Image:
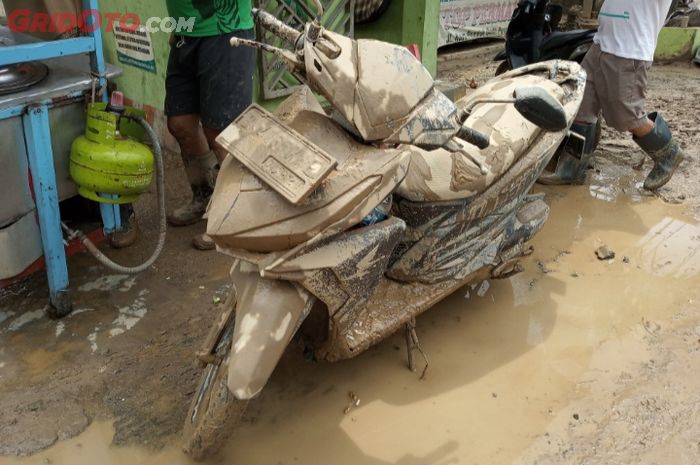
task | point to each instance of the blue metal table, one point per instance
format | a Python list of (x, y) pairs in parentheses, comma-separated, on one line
[(34, 112)]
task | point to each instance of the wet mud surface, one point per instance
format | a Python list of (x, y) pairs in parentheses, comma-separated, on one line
[(125, 353), (575, 360)]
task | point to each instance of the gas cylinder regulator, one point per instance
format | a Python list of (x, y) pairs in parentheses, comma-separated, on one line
[(111, 164)]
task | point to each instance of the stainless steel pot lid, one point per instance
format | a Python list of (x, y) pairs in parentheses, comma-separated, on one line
[(14, 78)]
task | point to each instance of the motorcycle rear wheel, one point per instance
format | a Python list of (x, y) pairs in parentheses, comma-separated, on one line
[(502, 68), (215, 412), (598, 130)]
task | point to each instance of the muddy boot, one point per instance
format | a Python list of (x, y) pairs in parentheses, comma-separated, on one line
[(661, 147), (127, 236), (203, 242), (201, 172), (572, 158)]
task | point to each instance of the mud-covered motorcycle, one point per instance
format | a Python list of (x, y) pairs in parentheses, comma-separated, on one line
[(344, 228)]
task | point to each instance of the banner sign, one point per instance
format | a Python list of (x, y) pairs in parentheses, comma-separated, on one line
[(465, 20), (134, 47)]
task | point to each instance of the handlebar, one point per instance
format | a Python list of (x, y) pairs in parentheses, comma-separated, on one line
[(275, 26), (474, 137)]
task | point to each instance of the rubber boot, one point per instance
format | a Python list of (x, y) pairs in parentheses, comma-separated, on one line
[(661, 147), (203, 242), (201, 172), (127, 236), (572, 158)]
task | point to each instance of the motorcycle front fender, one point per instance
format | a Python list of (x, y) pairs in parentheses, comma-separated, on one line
[(268, 313)]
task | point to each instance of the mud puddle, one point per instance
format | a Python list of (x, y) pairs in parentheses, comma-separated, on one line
[(508, 359)]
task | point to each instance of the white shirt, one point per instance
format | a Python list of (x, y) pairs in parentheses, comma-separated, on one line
[(630, 28)]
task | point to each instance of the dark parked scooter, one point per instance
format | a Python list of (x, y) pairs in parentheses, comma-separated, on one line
[(532, 37)]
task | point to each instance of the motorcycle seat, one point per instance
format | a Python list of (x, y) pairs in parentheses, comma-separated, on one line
[(440, 175)]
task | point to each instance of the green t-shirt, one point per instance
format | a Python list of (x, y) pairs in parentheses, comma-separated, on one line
[(213, 17)]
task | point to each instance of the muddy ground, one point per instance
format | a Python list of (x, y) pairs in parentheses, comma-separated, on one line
[(125, 353), (573, 361)]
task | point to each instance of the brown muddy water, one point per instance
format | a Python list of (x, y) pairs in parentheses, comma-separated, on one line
[(507, 358)]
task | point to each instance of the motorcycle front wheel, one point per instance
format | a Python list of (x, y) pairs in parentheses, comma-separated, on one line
[(215, 412)]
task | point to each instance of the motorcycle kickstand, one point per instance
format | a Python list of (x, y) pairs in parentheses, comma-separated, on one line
[(413, 343)]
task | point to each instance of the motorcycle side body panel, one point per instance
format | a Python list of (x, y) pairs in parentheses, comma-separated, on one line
[(344, 272)]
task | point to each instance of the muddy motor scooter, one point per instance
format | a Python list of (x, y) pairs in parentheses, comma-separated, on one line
[(344, 229)]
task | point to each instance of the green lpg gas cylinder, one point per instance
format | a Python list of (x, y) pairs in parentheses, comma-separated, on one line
[(110, 157)]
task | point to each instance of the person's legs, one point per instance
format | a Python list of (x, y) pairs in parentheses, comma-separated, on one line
[(182, 108), (188, 132), (656, 140), (127, 236), (627, 84), (572, 158), (211, 135), (225, 79), (200, 166), (226, 83), (643, 129)]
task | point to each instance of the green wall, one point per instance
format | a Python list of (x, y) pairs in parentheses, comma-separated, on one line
[(405, 22), (408, 22), (677, 44), (139, 85)]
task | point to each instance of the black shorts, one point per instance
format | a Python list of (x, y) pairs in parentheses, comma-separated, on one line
[(208, 77)]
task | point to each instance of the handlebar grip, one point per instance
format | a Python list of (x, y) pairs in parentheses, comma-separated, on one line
[(277, 27), (474, 137)]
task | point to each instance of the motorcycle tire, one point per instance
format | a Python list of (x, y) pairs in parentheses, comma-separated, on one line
[(367, 11), (215, 412), (598, 131), (502, 68)]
